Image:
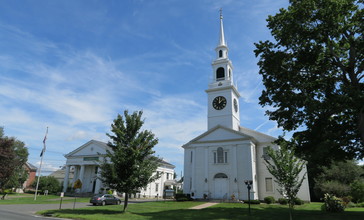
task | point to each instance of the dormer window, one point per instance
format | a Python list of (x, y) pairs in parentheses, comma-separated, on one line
[(220, 73), (220, 53)]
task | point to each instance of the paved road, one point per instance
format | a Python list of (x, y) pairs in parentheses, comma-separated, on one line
[(27, 211)]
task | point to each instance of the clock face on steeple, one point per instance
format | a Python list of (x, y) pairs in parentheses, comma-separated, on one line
[(219, 102), (235, 105)]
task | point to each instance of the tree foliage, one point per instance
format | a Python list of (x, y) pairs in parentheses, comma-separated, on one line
[(7, 161), (129, 164), (313, 77), (337, 177), (49, 183), (20, 174), (13, 156), (287, 170)]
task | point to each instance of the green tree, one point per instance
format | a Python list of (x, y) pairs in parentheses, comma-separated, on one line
[(336, 178), (49, 183), (20, 175), (313, 77), (129, 164), (287, 169), (7, 162)]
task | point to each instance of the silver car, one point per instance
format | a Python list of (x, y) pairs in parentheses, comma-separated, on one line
[(105, 199)]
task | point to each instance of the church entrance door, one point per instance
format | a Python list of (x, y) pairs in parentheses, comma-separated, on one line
[(221, 186)]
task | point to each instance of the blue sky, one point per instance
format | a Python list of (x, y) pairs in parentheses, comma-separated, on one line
[(74, 65)]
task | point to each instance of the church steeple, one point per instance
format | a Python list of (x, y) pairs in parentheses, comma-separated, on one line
[(222, 35), (223, 97)]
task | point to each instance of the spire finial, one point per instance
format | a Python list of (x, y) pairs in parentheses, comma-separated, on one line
[(222, 37)]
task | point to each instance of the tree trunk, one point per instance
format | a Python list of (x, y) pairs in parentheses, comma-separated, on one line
[(3, 197), (126, 201), (290, 212)]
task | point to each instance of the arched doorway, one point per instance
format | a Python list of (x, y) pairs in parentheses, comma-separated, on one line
[(221, 186)]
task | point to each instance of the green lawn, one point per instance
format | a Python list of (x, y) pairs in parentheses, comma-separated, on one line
[(179, 210), (41, 199)]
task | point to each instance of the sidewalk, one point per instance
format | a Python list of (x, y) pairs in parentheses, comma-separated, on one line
[(205, 205)]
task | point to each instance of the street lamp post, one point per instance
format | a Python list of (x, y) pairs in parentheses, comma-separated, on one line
[(249, 184)]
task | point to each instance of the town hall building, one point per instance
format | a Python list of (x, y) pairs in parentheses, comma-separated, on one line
[(219, 161), (84, 161)]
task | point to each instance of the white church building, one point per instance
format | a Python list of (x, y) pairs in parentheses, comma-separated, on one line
[(217, 162), (85, 162)]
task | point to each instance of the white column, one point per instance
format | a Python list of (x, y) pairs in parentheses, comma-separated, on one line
[(75, 174), (66, 176), (98, 181), (235, 172), (193, 170), (206, 179), (82, 171)]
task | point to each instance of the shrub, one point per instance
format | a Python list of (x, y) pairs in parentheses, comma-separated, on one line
[(269, 200), (255, 202), (332, 204), (180, 197), (346, 200), (298, 201), (357, 191), (282, 201), (332, 187), (360, 204)]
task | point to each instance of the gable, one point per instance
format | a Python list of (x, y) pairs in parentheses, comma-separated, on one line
[(90, 148), (220, 134)]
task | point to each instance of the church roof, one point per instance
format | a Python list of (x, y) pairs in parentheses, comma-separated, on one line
[(259, 136), (221, 134)]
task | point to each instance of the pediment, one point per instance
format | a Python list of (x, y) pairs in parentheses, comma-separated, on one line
[(220, 134), (90, 148)]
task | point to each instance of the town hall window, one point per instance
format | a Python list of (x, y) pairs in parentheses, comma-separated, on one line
[(220, 156), (220, 73)]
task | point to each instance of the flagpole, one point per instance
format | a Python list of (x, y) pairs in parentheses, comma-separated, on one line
[(40, 165)]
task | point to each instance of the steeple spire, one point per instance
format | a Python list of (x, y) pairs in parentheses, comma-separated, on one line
[(222, 36)]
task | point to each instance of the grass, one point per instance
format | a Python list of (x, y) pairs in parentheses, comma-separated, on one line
[(164, 210), (41, 199)]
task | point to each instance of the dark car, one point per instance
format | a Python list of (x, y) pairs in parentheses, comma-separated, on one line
[(105, 199)]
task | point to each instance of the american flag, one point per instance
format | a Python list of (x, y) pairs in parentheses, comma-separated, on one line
[(44, 145)]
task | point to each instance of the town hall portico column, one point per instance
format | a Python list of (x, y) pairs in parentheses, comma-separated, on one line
[(66, 177), (82, 172)]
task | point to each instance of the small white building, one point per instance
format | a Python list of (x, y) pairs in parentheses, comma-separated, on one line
[(217, 162), (85, 159)]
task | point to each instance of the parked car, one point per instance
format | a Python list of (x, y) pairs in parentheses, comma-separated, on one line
[(105, 199)]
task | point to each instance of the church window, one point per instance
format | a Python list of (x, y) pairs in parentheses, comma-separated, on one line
[(268, 184), (191, 155), (96, 169), (220, 175), (220, 73), (220, 53), (156, 187), (265, 154), (167, 176), (220, 156)]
